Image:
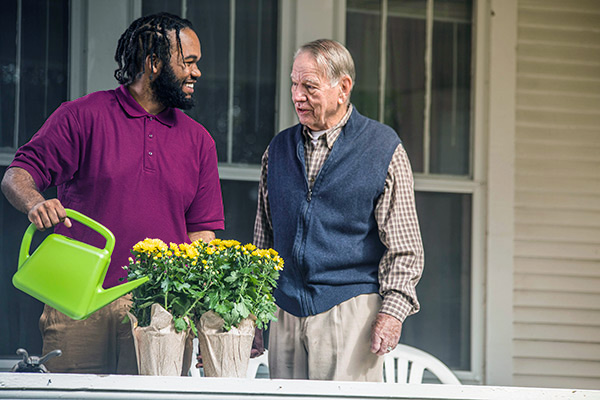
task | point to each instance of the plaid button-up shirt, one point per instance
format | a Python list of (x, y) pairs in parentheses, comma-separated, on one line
[(401, 266)]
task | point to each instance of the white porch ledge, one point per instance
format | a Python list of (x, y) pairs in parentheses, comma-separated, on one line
[(67, 386)]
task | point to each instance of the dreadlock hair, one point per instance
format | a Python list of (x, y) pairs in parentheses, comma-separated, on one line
[(147, 36)]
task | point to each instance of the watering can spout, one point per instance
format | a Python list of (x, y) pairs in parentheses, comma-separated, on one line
[(106, 296)]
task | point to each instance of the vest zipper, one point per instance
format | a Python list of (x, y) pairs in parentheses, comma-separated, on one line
[(309, 195)]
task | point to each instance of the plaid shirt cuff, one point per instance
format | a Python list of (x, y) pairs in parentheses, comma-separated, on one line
[(396, 305)]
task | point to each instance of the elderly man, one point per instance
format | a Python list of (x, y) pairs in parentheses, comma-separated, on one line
[(336, 200), (131, 160)]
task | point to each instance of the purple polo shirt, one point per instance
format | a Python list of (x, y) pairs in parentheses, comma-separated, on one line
[(138, 174)]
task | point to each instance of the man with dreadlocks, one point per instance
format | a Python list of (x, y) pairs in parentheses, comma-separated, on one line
[(131, 160)]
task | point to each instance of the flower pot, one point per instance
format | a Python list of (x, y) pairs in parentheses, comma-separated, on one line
[(225, 354), (159, 347)]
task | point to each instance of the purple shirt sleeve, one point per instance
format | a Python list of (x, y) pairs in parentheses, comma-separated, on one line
[(52, 155), (206, 211)]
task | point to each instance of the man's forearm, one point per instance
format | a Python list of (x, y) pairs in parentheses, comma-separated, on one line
[(19, 188)]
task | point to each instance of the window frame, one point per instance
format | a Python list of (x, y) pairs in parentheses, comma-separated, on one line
[(473, 184), (294, 22)]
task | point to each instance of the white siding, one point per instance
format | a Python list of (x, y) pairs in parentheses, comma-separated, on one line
[(557, 195)]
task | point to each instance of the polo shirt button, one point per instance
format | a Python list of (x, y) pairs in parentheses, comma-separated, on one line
[(149, 153), (151, 118), (150, 135)]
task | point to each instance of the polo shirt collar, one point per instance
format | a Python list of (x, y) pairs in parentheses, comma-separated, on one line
[(135, 110)]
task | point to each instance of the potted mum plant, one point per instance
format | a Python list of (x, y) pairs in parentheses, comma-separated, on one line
[(223, 287), (238, 295), (162, 313)]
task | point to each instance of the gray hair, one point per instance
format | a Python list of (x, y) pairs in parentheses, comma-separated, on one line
[(332, 57)]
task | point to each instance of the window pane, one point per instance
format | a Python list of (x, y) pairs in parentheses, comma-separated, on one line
[(255, 79), (252, 118), (363, 24), (239, 200), (44, 57), (156, 6), (211, 23), (451, 89), (443, 326), (8, 72), (405, 83)]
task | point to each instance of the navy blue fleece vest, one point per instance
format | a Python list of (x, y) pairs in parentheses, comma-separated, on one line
[(328, 237)]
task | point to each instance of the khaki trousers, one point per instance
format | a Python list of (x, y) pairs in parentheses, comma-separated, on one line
[(100, 344), (333, 345)]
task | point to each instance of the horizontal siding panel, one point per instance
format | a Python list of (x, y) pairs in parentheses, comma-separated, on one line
[(523, 380), (559, 37), (566, 251), (585, 53), (554, 367), (583, 168), (527, 66), (566, 284), (559, 19), (581, 87), (559, 118), (558, 351), (583, 301), (550, 184), (570, 5), (531, 150), (528, 199), (559, 218), (561, 234), (557, 316), (561, 333), (563, 102), (553, 134), (590, 269)]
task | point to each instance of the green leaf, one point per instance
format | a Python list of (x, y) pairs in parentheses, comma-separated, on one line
[(180, 324)]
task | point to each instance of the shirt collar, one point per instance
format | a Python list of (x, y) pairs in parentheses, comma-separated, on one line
[(333, 133), (135, 110)]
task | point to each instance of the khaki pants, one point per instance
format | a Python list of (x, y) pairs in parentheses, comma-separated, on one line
[(333, 345), (100, 344)]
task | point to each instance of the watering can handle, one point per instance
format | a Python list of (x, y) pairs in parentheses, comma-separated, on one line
[(77, 216)]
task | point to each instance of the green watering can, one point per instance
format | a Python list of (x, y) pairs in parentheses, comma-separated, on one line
[(67, 274)]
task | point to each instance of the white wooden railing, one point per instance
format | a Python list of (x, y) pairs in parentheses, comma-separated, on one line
[(70, 386)]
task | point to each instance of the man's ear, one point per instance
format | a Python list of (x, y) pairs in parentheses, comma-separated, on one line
[(153, 64), (345, 89)]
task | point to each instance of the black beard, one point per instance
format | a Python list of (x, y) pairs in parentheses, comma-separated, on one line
[(168, 90)]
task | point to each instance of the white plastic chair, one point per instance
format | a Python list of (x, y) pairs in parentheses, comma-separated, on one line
[(253, 364), (417, 361), (256, 362)]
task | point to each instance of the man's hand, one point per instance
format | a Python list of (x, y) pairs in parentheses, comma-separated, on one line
[(20, 190), (48, 213), (385, 334)]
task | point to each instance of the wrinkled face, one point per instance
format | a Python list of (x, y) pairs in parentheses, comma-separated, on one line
[(174, 85), (317, 103)]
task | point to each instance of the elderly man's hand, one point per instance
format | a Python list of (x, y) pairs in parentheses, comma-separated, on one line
[(385, 334)]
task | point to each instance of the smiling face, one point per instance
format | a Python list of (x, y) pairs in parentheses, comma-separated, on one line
[(319, 104), (174, 85)]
